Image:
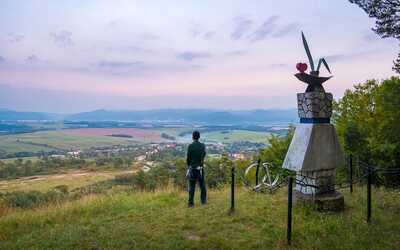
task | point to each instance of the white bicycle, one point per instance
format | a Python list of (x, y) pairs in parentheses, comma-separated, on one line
[(268, 182)]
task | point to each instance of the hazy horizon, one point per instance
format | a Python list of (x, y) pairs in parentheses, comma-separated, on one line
[(151, 110), (75, 56)]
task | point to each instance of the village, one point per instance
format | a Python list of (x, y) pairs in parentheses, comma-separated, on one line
[(147, 152)]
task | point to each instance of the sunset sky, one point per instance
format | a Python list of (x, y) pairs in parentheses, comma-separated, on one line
[(71, 56)]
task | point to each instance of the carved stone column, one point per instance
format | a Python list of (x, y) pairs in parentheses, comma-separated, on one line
[(315, 152)]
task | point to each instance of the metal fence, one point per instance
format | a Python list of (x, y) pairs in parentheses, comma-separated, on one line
[(366, 172)]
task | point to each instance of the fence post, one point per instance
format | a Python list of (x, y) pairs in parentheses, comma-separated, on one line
[(369, 194), (351, 172), (289, 214), (257, 169), (232, 190)]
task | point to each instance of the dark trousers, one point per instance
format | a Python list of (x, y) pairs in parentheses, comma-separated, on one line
[(192, 187)]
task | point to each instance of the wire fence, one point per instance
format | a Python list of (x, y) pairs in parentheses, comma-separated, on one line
[(368, 171), (316, 185), (312, 183)]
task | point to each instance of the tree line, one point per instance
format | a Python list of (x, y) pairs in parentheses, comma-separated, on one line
[(367, 120)]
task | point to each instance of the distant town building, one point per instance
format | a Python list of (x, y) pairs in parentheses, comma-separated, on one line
[(74, 154), (140, 158), (57, 156)]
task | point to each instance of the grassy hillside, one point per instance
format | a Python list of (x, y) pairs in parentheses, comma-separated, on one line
[(161, 220)]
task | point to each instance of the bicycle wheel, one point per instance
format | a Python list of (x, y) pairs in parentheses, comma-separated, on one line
[(249, 179), (270, 180)]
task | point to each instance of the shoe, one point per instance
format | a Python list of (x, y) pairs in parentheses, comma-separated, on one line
[(190, 206)]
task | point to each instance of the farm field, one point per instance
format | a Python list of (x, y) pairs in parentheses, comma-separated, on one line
[(72, 179), (32, 159), (174, 131), (15, 144), (85, 138), (74, 139), (136, 133), (230, 136)]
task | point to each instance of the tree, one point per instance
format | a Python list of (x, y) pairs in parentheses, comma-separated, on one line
[(396, 66), (387, 14), (367, 120), (354, 141), (278, 146), (355, 118), (217, 171), (118, 162)]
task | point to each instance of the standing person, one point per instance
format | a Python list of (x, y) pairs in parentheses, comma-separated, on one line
[(195, 162)]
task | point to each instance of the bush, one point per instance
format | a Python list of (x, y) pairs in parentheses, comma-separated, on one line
[(179, 174), (33, 199), (95, 188), (278, 146), (62, 188), (217, 172), (123, 179), (156, 177)]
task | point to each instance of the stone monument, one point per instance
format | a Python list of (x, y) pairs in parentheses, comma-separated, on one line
[(314, 152)]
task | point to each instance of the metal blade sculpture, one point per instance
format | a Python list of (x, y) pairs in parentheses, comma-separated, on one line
[(313, 79)]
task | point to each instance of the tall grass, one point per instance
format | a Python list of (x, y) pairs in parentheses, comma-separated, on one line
[(161, 220)]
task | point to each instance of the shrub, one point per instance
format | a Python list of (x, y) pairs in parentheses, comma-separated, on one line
[(124, 179), (62, 188), (157, 177), (33, 199), (95, 188), (217, 172), (24, 199), (179, 174)]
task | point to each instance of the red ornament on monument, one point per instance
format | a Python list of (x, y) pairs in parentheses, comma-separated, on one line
[(302, 67)]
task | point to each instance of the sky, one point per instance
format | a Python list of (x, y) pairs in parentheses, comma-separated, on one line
[(73, 56)]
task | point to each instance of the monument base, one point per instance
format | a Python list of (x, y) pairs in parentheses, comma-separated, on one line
[(333, 202)]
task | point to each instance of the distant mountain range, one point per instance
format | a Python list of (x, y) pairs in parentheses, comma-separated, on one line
[(163, 115), (10, 115)]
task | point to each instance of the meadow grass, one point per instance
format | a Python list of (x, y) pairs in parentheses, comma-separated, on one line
[(161, 220)]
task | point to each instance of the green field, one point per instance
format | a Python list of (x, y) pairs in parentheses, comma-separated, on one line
[(161, 220), (54, 140), (229, 136), (32, 159), (174, 131), (58, 140), (222, 136)]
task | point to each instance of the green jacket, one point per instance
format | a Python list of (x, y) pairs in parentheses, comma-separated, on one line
[(195, 154)]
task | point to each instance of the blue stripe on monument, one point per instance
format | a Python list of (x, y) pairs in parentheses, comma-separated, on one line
[(315, 120)]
